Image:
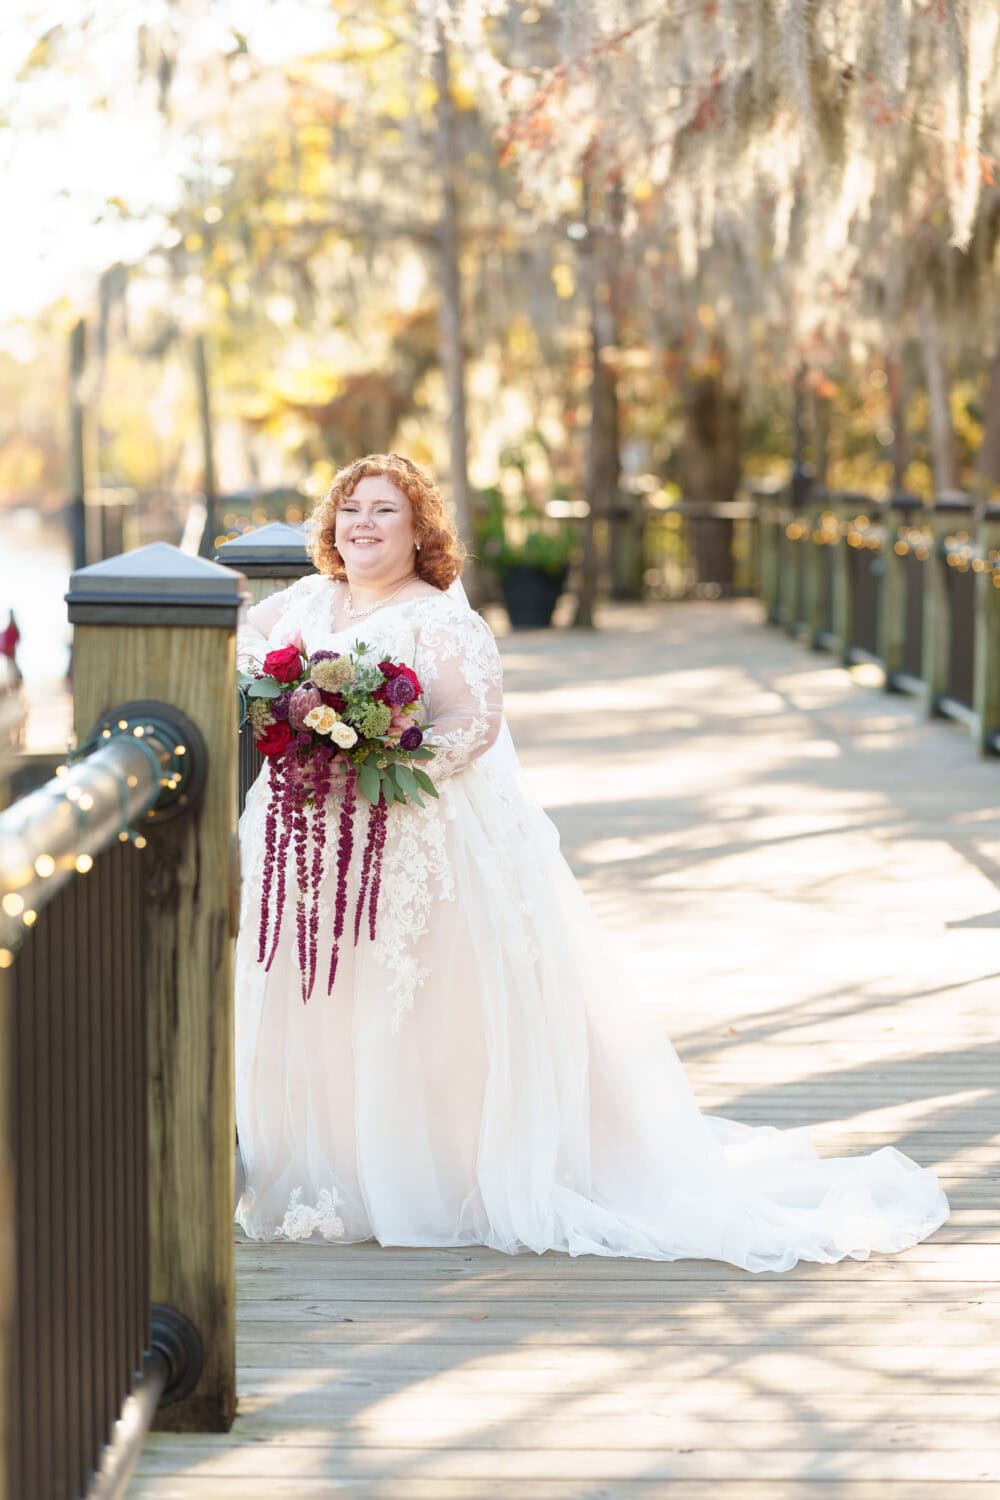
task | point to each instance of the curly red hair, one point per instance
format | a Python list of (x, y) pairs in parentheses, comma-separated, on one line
[(441, 555)]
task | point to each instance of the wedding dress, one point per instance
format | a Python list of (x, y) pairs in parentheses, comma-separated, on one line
[(479, 1074)]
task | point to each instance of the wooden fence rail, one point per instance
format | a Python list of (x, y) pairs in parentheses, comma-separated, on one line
[(117, 886), (911, 587)]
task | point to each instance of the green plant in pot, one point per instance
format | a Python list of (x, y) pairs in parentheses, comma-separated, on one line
[(529, 554)]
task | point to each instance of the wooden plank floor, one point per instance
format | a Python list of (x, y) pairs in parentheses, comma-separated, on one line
[(807, 870)]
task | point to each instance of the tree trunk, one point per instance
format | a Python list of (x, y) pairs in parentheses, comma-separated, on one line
[(710, 454), (821, 438), (603, 462), (206, 546), (77, 454), (710, 467), (943, 460), (450, 310), (800, 474), (988, 458), (896, 377)]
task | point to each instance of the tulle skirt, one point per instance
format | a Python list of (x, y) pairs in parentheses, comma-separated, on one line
[(483, 1074)]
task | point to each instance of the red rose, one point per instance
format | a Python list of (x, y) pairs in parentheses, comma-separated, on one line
[(276, 738), (285, 664), (389, 670)]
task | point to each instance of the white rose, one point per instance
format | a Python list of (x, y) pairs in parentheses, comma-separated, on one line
[(343, 735), (321, 719)]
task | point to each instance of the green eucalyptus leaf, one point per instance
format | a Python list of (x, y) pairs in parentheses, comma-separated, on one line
[(424, 781), (406, 780), (265, 687), (369, 782)]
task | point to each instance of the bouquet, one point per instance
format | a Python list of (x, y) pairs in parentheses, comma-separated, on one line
[(318, 719)]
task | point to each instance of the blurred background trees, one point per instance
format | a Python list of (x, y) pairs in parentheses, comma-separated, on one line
[(579, 256)]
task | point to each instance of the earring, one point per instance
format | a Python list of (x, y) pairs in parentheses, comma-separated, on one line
[(418, 546)]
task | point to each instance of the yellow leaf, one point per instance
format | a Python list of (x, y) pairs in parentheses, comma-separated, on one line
[(564, 281)]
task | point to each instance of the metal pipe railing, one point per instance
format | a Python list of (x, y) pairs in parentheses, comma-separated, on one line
[(137, 764), (91, 1364), (170, 1370)]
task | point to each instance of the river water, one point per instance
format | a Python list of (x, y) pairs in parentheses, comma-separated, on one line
[(34, 577)]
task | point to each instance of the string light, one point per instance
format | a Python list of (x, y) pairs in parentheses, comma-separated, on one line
[(81, 792)]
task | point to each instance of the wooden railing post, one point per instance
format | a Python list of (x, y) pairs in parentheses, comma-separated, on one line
[(269, 558), (844, 509), (156, 623), (796, 571), (901, 516), (950, 510), (769, 526), (987, 673), (10, 718), (815, 563)]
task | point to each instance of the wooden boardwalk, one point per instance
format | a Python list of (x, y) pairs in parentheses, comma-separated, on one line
[(810, 870)]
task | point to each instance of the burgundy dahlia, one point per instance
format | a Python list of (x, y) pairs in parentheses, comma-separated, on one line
[(399, 692)]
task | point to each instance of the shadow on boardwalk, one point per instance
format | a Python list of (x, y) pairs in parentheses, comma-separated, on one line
[(804, 873)]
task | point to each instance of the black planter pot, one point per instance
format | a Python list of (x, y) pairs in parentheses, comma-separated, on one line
[(530, 595)]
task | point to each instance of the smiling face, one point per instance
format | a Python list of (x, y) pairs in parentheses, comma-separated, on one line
[(375, 534)]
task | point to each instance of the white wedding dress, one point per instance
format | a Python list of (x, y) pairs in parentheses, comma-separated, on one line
[(479, 1074)]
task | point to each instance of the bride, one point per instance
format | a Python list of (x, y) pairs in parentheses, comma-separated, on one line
[(479, 1074)]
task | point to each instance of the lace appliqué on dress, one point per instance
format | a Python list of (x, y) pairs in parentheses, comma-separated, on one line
[(459, 668), (302, 1220), (415, 873), (467, 642)]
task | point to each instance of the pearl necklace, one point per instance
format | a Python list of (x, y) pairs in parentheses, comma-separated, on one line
[(369, 609)]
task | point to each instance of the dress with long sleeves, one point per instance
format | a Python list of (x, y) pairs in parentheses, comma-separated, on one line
[(479, 1073)]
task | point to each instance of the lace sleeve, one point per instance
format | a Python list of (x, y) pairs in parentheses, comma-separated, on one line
[(463, 680), (259, 620)]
